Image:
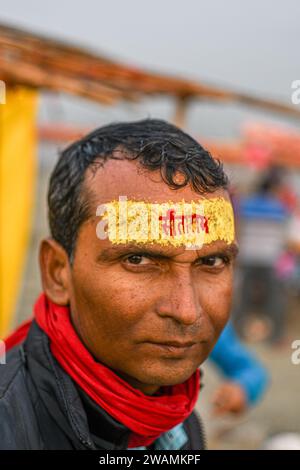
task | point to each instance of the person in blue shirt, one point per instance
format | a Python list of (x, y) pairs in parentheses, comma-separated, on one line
[(263, 219), (246, 378)]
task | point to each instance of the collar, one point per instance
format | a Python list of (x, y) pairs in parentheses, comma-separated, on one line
[(104, 434)]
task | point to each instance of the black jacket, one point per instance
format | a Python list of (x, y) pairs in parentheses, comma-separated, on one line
[(42, 408)]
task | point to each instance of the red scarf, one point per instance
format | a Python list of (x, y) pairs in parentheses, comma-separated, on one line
[(146, 416)]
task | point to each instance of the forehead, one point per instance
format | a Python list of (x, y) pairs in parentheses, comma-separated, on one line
[(128, 178)]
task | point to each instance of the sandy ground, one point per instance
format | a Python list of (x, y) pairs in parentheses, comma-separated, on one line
[(279, 411)]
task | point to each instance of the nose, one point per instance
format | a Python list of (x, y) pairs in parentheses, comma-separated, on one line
[(180, 300)]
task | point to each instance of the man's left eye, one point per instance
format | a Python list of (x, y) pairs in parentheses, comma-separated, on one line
[(214, 261)]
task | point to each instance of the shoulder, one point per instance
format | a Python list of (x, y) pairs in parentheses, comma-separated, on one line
[(16, 408)]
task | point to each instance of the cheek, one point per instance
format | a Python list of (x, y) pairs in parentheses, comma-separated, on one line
[(112, 299), (216, 302), (107, 313)]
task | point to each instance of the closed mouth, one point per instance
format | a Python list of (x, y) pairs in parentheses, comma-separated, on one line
[(172, 348), (174, 344)]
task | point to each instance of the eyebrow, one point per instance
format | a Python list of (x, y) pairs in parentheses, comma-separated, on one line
[(120, 249), (117, 251), (230, 251)]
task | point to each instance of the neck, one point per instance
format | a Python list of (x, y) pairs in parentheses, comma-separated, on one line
[(147, 389)]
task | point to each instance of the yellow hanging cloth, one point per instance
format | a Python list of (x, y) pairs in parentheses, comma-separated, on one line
[(18, 165)]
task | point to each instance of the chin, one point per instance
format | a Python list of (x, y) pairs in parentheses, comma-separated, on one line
[(164, 375)]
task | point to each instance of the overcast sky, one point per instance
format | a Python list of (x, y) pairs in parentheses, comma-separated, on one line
[(252, 44)]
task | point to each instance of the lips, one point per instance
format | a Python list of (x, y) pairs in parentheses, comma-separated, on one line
[(175, 344), (171, 348)]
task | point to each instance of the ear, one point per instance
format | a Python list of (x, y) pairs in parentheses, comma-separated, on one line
[(55, 271)]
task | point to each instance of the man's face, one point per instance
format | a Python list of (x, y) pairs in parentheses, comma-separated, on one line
[(152, 313)]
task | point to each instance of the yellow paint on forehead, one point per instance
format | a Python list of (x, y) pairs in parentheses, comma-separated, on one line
[(195, 223)]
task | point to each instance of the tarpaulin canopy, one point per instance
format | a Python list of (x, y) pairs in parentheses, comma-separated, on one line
[(36, 61)]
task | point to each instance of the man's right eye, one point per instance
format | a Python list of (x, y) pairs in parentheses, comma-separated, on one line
[(137, 260)]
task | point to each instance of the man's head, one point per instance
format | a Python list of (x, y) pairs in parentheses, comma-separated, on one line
[(131, 304)]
